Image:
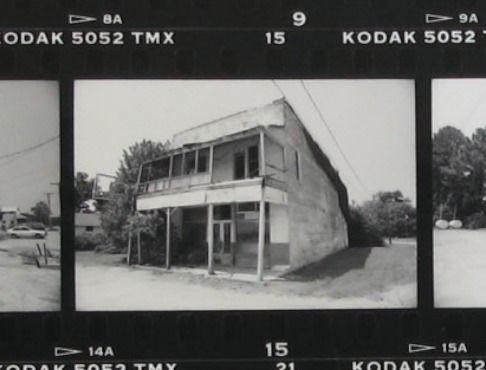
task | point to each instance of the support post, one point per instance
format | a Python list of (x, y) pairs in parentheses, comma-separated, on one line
[(139, 248), (171, 164), (210, 238), (167, 239), (262, 154), (233, 223), (129, 251), (233, 234), (261, 238), (211, 160)]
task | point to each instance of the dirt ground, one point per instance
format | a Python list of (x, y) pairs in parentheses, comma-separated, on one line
[(460, 268), (24, 286), (381, 277)]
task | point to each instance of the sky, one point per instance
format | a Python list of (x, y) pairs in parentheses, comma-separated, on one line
[(460, 103), (29, 116), (373, 121)]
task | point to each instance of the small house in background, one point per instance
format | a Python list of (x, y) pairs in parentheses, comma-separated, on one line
[(10, 217), (87, 223), (251, 190)]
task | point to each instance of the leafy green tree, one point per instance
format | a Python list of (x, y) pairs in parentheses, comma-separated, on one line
[(458, 173), (115, 213), (390, 214), (41, 213), (450, 168)]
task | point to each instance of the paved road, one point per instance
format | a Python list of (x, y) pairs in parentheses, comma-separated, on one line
[(460, 268)]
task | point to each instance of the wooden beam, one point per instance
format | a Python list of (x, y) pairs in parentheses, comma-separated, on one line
[(211, 160), (167, 240), (171, 164), (129, 252), (210, 239), (261, 239), (262, 154), (139, 248), (233, 223), (233, 234)]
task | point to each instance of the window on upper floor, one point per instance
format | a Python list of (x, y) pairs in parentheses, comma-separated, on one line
[(160, 168), (247, 163), (239, 165), (190, 163), (203, 160), (253, 161), (177, 165), (298, 169)]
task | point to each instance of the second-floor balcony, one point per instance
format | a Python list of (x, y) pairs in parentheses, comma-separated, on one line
[(248, 155)]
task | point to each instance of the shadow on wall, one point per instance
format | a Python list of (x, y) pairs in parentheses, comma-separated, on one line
[(333, 266)]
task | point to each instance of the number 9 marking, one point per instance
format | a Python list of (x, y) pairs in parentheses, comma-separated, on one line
[(299, 19)]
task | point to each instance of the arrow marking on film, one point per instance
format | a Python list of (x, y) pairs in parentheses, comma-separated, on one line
[(436, 18), (412, 348), (75, 19), (61, 351)]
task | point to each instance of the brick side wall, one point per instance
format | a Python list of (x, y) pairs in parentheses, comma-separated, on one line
[(317, 226)]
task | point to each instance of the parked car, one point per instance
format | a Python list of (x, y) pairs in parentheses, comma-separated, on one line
[(25, 231)]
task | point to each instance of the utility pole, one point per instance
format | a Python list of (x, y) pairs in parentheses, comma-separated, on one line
[(48, 195)]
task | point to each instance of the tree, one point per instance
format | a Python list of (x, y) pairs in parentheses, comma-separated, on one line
[(390, 214), (83, 189), (41, 213), (450, 166), (458, 172), (115, 213)]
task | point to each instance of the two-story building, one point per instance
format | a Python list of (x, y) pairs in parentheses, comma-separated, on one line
[(252, 189)]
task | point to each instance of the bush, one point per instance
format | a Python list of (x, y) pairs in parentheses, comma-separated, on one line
[(361, 232), (88, 242), (475, 221)]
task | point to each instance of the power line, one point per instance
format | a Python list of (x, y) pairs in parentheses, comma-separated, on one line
[(29, 149), (279, 88), (362, 187), (321, 116)]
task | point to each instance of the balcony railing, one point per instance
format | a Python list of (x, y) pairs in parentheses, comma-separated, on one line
[(177, 182), (194, 180)]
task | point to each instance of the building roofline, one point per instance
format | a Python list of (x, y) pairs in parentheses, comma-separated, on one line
[(207, 123)]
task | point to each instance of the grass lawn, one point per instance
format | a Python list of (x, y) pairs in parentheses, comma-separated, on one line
[(381, 277), (24, 287), (460, 268)]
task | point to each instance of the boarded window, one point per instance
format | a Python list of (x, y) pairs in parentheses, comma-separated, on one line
[(203, 160), (222, 212), (190, 163), (177, 165), (160, 168), (248, 207), (253, 162), (239, 163)]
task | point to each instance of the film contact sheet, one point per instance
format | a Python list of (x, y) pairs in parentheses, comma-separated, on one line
[(242, 184)]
